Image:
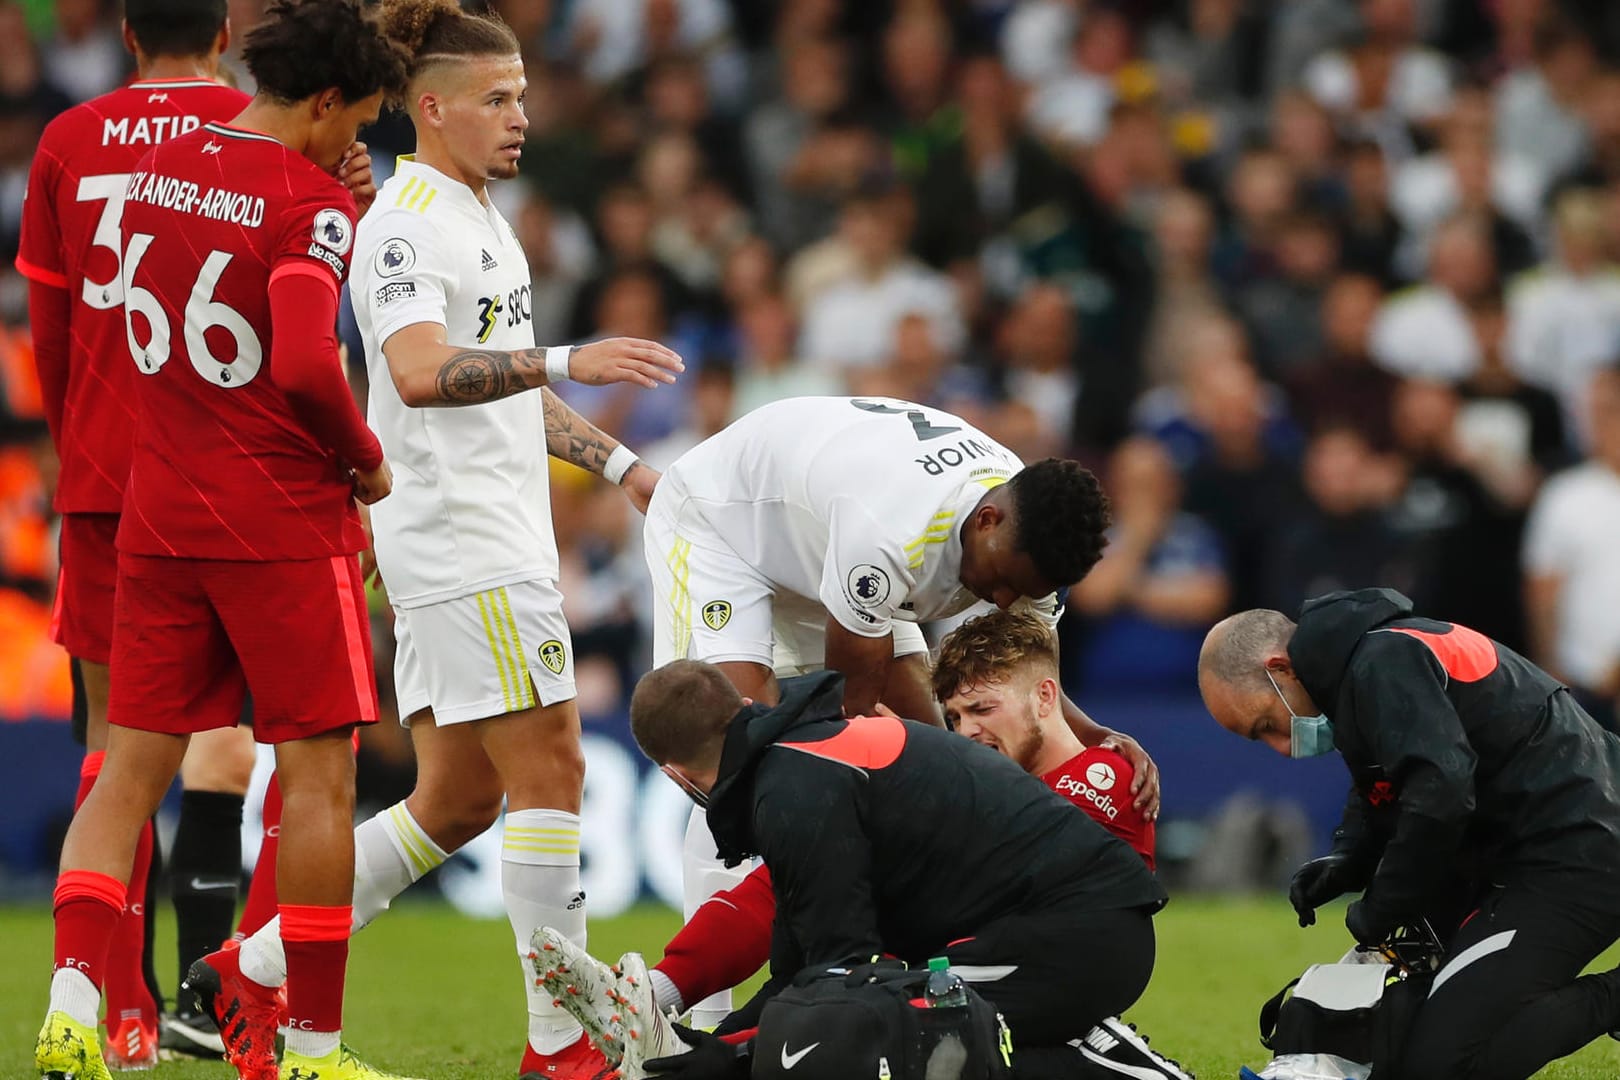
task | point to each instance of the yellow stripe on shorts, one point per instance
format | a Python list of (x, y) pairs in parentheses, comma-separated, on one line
[(520, 664), (496, 649)]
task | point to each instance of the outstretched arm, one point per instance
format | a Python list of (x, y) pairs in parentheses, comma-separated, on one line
[(427, 370)]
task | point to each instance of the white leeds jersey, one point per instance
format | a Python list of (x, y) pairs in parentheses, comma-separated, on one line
[(856, 502), (471, 504)]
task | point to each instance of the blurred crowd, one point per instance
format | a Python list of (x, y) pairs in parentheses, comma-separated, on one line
[(1327, 291)]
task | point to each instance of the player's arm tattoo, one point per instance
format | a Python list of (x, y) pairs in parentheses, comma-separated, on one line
[(473, 376), (573, 438)]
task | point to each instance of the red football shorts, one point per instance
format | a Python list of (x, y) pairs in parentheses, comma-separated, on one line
[(82, 622), (192, 636)]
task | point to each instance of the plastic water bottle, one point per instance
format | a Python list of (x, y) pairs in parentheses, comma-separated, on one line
[(945, 989)]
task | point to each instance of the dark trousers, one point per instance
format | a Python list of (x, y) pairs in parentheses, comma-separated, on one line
[(1053, 974), (1508, 999)]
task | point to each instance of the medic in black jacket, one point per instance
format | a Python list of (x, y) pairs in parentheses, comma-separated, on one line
[(888, 836), (1484, 799)]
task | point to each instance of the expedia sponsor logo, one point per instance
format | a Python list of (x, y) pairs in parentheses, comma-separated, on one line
[(1076, 788)]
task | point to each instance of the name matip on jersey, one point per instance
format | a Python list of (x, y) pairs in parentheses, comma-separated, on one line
[(857, 502), (471, 504), (223, 468), (70, 240)]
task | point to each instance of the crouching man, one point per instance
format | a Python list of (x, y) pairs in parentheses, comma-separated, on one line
[(1470, 765), (884, 836)]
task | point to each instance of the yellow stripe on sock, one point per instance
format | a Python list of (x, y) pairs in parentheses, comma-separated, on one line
[(495, 650), (413, 850)]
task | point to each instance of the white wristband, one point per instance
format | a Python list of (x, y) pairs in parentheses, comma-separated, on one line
[(621, 461), (557, 362)]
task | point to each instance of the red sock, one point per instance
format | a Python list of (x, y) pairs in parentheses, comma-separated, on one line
[(726, 941), (317, 943), (88, 906), (125, 990), (261, 896), (89, 769)]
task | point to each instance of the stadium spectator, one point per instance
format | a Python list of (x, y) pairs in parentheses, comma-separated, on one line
[(1343, 386), (1572, 565), (1185, 294), (768, 368), (1462, 509), (1564, 317), (850, 322), (1538, 107), (85, 56), (1160, 585), (1425, 332), (1343, 536), (803, 155), (1483, 799)]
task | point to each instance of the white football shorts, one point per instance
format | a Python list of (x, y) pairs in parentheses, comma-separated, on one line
[(709, 604), (475, 657)]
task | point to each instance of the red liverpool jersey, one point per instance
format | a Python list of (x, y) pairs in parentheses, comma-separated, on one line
[(222, 466), (1098, 781), (70, 240)]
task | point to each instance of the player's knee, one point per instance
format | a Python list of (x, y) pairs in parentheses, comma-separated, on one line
[(454, 819), (223, 762)]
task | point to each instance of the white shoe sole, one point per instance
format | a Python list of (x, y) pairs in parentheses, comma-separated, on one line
[(648, 1032), (581, 985)]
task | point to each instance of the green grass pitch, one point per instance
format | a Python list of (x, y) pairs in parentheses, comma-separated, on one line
[(432, 994)]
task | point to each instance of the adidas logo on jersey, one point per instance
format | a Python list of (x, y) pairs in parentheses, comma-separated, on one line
[(489, 262)]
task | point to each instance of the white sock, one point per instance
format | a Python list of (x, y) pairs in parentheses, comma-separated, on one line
[(540, 883), (390, 853), (704, 873), (665, 993), (312, 1044), (72, 992)]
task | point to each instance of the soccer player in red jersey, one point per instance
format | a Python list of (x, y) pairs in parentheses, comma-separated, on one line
[(70, 254), (238, 532)]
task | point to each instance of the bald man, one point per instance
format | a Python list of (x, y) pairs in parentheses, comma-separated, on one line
[(1480, 790)]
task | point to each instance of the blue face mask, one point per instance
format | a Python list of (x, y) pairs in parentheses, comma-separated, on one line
[(1308, 736)]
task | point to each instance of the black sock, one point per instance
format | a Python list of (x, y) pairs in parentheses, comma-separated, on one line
[(148, 969), (205, 872)]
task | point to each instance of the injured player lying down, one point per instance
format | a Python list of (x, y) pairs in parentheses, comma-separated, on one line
[(887, 836)]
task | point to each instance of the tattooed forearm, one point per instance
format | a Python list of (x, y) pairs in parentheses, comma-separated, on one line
[(475, 375), (573, 438)]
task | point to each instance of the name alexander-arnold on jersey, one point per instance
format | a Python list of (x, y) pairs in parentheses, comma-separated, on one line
[(217, 204)]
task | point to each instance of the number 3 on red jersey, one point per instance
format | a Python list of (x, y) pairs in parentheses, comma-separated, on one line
[(203, 313)]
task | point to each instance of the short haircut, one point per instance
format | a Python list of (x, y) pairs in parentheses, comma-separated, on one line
[(1061, 517), (440, 31), (1237, 654), (175, 27), (304, 47), (680, 712), (990, 648)]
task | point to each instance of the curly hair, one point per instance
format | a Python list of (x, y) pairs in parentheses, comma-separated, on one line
[(1061, 517), (303, 47), (990, 648), (175, 27), (436, 31)]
